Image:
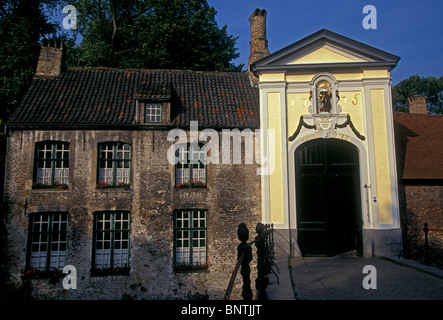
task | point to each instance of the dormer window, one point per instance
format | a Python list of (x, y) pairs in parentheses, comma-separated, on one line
[(153, 113), (154, 99)]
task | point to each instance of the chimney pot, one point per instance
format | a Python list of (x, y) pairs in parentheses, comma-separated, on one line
[(417, 104)]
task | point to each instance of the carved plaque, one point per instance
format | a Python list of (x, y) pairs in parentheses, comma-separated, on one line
[(325, 123)]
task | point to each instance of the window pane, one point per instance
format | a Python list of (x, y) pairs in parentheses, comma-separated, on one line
[(57, 259), (52, 155), (40, 222), (112, 239), (199, 255), (153, 112), (58, 164), (41, 164), (122, 175), (190, 164), (48, 152), (107, 244), (48, 238), (40, 153), (190, 243), (38, 260), (102, 258), (120, 258), (114, 155), (182, 255)]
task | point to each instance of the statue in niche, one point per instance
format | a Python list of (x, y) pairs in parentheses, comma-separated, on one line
[(324, 97), (325, 101)]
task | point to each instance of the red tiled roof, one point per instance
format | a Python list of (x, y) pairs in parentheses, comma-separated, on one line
[(100, 96), (419, 145)]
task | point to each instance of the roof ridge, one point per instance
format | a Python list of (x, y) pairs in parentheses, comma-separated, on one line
[(158, 70)]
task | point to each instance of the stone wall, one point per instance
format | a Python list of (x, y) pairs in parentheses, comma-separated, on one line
[(232, 197)]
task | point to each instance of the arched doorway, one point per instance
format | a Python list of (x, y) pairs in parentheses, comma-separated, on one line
[(328, 197)]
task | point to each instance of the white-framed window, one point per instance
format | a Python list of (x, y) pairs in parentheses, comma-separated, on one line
[(111, 240), (190, 239), (153, 112), (114, 163), (51, 163), (47, 241), (190, 169)]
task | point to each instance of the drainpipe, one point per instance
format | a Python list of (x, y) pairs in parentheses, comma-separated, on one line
[(287, 178)]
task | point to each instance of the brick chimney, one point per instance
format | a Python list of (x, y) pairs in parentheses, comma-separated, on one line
[(51, 62), (258, 44), (417, 104)]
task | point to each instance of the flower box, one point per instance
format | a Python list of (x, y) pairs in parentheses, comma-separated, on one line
[(40, 185), (191, 184), (110, 271), (104, 185), (42, 273), (183, 267)]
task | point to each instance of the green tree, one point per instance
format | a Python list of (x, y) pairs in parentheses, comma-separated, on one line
[(431, 87), (166, 34), (22, 25)]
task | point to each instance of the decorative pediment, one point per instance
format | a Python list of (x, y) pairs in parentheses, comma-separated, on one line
[(326, 49), (327, 54)]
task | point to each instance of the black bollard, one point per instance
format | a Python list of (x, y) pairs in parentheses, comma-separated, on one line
[(262, 273), (245, 249)]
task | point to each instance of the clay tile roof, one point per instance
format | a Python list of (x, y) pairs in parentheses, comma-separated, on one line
[(419, 145), (154, 89), (100, 96)]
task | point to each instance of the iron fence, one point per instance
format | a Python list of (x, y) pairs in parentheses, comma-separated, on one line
[(264, 242)]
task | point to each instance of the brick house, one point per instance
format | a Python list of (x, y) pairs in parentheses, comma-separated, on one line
[(90, 183), (419, 158)]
